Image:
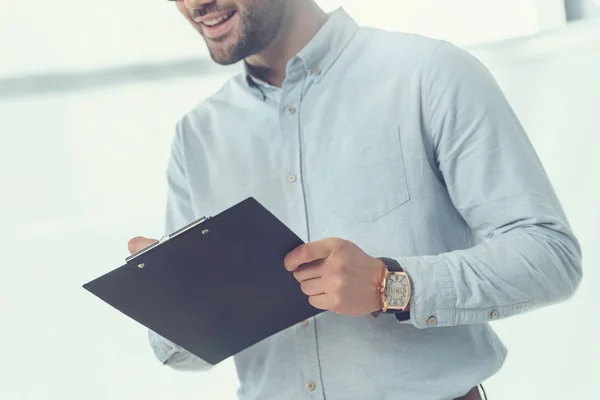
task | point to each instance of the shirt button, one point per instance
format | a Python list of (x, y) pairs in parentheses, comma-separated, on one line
[(495, 314), (316, 71), (431, 321), (292, 178), (304, 323), (291, 110), (310, 386)]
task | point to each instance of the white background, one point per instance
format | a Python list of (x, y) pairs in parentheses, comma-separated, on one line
[(82, 172)]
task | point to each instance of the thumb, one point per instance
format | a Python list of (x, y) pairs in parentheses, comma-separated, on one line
[(138, 243)]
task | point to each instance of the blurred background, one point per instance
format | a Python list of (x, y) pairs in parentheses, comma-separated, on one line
[(89, 97)]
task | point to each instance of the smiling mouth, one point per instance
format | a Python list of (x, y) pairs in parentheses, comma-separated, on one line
[(212, 23)]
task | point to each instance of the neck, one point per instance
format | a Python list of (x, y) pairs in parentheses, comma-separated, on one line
[(302, 22)]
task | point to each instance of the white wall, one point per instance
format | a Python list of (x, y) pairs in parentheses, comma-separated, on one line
[(71, 35), (554, 84), (81, 173), (460, 21)]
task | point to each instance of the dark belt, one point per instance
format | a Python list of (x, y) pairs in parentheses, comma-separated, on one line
[(472, 395)]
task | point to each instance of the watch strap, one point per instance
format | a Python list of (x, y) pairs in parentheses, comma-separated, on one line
[(391, 264)]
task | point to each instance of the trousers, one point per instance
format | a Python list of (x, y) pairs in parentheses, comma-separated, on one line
[(473, 394)]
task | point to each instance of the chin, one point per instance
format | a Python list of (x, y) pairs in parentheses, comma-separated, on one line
[(223, 59), (225, 56)]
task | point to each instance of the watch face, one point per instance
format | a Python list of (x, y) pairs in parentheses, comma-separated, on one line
[(396, 290)]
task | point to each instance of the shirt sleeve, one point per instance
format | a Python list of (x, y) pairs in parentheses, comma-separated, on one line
[(526, 254), (170, 354), (179, 213)]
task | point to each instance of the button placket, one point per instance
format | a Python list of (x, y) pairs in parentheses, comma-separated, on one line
[(305, 333), (288, 124), (308, 358)]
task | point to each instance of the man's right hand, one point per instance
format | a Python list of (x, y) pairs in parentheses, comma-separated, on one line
[(138, 243)]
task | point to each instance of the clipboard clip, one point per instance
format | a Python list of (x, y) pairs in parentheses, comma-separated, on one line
[(166, 238)]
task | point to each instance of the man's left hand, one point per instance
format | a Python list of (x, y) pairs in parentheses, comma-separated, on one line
[(338, 276)]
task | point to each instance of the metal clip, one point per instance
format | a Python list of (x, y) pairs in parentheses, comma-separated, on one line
[(166, 238)]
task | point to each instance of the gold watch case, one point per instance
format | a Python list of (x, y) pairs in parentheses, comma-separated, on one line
[(395, 293)]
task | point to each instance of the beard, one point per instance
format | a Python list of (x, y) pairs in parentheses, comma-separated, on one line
[(257, 27)]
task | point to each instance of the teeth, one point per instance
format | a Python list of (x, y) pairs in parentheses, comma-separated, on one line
[(215, 21)]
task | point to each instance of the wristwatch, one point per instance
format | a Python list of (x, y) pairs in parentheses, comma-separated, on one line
[(395, 288)]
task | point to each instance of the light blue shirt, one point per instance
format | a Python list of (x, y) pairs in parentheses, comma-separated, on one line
[(407, 147)]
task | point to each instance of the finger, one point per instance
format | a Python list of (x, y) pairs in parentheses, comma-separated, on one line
[(312, 270), (319, 301), (313, 287), (310, 252), (138, 243)]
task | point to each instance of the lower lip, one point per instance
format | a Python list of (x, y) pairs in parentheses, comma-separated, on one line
[(219, 30)]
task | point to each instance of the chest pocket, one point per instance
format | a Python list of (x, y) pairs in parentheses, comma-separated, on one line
[(367, 174)]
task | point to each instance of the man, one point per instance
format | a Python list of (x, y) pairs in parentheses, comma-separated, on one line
[(390, 154)]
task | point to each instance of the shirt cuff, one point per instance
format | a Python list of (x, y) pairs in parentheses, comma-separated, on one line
[(163, 349), (433, 297)]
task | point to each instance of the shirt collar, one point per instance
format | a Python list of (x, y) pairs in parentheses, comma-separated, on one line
[(323, 50), (328, 44)]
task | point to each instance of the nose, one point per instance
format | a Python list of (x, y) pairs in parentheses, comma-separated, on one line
[(194, 4)]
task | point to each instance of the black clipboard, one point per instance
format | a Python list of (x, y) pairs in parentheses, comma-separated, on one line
[(214, 287)]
